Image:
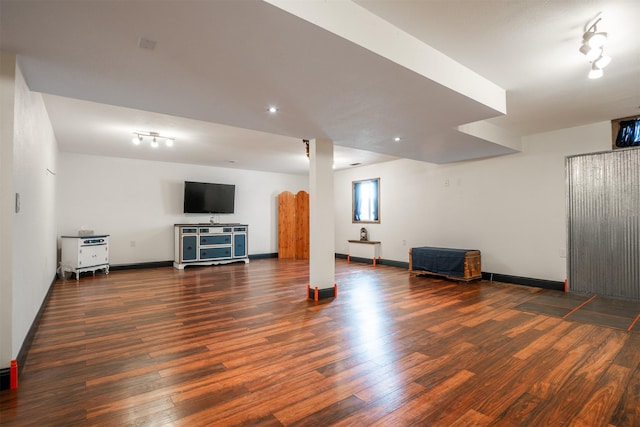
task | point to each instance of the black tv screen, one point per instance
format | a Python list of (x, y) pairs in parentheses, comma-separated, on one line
[(202, 197)]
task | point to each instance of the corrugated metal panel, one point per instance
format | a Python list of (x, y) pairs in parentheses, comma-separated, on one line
[(603, 207)]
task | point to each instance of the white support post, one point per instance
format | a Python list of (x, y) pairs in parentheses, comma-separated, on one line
[(321, 220)]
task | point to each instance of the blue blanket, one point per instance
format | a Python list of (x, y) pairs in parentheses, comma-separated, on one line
[(439, 260)]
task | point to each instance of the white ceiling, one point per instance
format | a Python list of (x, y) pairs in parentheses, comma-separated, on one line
[(364, 73)]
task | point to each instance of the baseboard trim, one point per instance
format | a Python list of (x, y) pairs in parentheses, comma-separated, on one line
[(391, 263), (317, 294), (5, 373), (525, 281), (264, 256), (154, 264), (364, 260), (5, 378), (387, 262)]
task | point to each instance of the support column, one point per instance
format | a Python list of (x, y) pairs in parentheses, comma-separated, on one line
[(321, 221)]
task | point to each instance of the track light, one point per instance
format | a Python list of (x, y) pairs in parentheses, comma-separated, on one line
[(591, 53), (602, 61), (595, 72), (593, 42), (155, 139), (595, 39)]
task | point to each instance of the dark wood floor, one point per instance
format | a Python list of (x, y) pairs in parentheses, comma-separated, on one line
[(240, 345)]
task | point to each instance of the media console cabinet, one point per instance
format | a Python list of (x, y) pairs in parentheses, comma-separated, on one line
[(207, 244)]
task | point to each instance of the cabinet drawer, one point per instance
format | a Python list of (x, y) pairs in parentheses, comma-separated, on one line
[(189, 249), (240, 245), (210, 253), (215, 239), (214, 230)]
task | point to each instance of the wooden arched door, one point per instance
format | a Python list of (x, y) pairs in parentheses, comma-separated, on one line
[(293, 225)]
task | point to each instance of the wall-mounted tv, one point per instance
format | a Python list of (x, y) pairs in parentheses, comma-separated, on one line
[(203, 197)]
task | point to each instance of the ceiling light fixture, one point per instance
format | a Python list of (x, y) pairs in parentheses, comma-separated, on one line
[(591, 53), (154, 137), (595, 72), (602, 61), (595, 38), (593, 42), (273, 109)]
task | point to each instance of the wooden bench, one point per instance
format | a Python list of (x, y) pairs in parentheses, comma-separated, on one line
[(454, 264)]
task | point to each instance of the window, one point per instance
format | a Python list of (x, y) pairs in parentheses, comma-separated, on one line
[(629, 133), (366, 200), (626, 132)]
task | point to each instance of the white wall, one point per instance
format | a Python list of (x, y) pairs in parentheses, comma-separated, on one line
[(137, 202), (7, 102), (512, 208), (34, 227)]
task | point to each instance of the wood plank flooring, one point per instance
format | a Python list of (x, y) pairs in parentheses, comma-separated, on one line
[(241, 345)]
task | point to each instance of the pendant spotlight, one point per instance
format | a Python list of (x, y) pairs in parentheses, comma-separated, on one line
[(154, 139), (593, 42)]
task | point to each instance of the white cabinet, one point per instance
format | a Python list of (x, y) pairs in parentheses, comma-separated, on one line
[(201, 244), (85, 253)]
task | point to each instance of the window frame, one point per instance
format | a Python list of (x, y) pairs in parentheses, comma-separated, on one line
[(356, 187)]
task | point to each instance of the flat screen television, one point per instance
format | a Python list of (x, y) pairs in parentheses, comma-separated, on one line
[(203, 197)]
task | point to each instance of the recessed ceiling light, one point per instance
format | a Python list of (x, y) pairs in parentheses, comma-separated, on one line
[(397, 139), (273, 109)]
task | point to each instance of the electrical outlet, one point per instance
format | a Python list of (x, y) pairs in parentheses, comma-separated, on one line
[(404, 243), (132, 243), (563, 253)]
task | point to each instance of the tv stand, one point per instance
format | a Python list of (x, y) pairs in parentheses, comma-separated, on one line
[(207, 244)]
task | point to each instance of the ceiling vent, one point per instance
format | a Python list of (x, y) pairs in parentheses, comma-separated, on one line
[(145, 43)]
